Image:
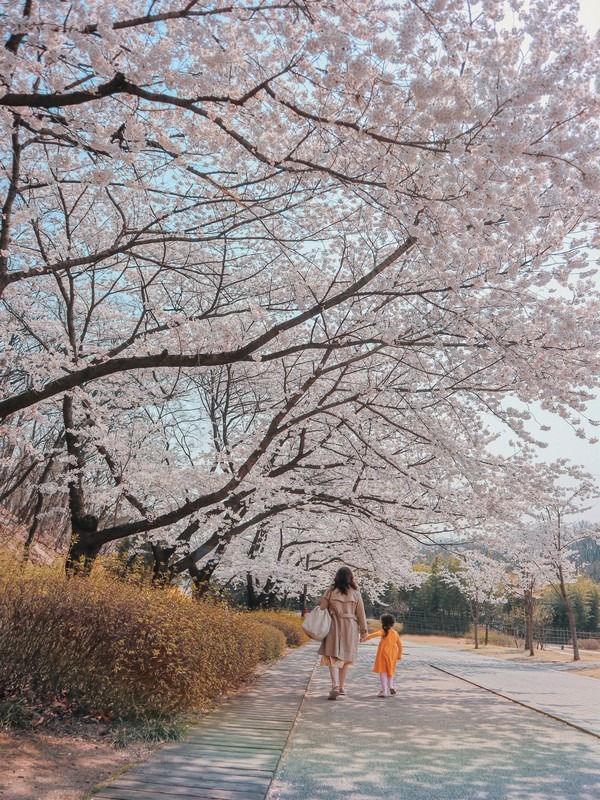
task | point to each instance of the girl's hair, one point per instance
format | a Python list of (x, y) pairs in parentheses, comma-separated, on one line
[(344, 580), (387, 623)]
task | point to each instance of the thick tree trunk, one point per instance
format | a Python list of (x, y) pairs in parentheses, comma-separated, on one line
[(202, 576), (250, 592), (85, 542), (487, 624), (264, 597), (267, 597), (84, 547), (160, 567), (303, 598), (201, 579)]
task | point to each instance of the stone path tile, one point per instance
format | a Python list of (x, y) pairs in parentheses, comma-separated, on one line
[(234, 752)]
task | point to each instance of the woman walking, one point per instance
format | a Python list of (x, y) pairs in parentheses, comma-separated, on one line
[(348, 622)]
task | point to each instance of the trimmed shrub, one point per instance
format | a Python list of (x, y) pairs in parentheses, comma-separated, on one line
[(272, 642), (128, 649), (288, 623)]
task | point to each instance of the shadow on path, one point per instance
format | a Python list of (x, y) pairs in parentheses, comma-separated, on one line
[(438, 738)]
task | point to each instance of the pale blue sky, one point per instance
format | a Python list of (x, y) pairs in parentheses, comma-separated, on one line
[(589, 14)]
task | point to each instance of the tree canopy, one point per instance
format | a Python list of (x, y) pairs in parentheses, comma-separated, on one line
[(268, 268)]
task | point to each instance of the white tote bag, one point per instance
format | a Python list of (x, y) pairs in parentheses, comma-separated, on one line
[(317, 623)]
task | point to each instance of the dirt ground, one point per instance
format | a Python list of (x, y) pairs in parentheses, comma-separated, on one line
[(42, 766)]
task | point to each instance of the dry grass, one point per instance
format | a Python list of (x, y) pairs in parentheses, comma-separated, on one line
[(375, 625), (587, 672)]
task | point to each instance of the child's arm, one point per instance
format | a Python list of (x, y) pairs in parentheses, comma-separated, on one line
[(399, 648), (374, 635)]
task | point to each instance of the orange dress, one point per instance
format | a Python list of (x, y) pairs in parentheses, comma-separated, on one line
[(388, 652)]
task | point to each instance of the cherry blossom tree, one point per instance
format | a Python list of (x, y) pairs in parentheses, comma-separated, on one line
[(300, 555), (273, 260), (559, 536), (528, 572), (482, 581), (541, 549)]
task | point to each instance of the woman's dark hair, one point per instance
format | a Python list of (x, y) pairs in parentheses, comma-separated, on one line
[(387, 623), (344, 580)]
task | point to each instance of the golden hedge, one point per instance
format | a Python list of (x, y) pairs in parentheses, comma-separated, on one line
[(124, 647), (288, 623)]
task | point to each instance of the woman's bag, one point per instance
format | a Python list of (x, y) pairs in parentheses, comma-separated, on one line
[(317, 623)]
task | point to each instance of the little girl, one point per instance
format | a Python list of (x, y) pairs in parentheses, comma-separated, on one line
[(388, 653)]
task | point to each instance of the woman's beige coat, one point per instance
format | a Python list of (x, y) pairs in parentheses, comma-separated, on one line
[(348, 622)]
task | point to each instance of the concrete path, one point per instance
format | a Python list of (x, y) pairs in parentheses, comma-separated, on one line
[(545, 687), (440, 738)]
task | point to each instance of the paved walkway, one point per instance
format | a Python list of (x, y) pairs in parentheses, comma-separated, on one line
[(440, 738)]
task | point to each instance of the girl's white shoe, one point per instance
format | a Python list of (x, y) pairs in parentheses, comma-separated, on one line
[(383, 694)]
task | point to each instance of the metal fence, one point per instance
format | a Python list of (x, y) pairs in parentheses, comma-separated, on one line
[(543, 635), (448, 625), (438, 624)]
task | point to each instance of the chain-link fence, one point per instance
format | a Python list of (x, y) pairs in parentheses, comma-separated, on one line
[(547, 636), (450, 625), (438, 624)]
